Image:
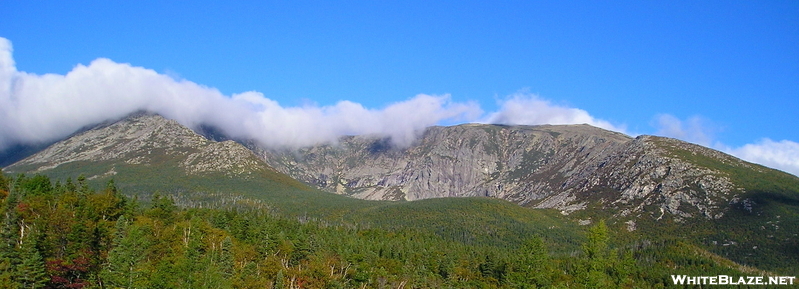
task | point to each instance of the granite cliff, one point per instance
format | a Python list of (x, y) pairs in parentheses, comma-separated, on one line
[(566, 167), (573, 168)]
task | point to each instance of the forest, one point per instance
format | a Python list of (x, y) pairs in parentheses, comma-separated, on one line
[(66, 234)]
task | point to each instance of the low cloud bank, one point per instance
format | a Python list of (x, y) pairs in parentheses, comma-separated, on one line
[(43, 108), (782, 155), (529, 109), (695, 129)]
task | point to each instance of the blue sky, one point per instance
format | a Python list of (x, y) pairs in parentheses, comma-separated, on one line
[(720, 73)]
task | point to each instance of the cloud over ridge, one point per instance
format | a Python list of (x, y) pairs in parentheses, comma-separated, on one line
[(782, 155), (528, 109), (41, 108), (44, 108)]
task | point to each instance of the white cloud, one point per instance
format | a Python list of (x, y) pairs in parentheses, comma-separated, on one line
[(274, 125), (695, 129), (782, 155), (7, 68), (40, 108), (529, 109)]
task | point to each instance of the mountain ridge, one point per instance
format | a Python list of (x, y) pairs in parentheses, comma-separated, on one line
[(653, 187), (564, 167), (559, 167), (147, 153)]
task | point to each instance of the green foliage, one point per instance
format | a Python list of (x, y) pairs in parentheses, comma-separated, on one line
[(93, 240), (483, 221), (598, 259), (759, 227), (480, 221), (36, 185), (280, 280), (532, 267), (226, 258), (30, 272), (124, 266), (163, 208), (3, 185)]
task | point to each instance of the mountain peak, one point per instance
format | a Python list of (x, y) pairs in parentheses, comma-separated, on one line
[(144, 139), (571, 168)]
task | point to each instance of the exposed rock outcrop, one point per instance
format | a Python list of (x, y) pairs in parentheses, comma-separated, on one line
[(567, 167), (146, 140)]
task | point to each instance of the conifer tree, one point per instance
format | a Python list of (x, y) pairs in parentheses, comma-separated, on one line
[(69, 186), (30, 273), (226, 258), (279, 280), (3, 183), (9, 238), (123, 267), (83, 186), (597, 257), (163, 208), (532, 265)]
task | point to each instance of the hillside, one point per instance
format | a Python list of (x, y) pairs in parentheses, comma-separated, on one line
[(146, 154), (651, 186), (66, 235), (145, 140), (569, 168), (649, 189)]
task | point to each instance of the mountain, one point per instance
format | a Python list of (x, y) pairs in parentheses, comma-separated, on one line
[(568, 167), (146, 140), (146, 153), (651, 187), (648, 187)]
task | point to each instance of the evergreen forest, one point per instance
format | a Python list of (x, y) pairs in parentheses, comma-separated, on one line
[(67, 234)]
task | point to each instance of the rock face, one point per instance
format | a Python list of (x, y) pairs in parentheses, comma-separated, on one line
[(146, 140), (567, 167)]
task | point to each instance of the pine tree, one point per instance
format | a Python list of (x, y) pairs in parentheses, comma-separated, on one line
[(597, 257), (163, 208), (70, 186), (532, 266), (9, 237), (30, 273), (3, 183), (83, 186), (123, 267), (226, 258), (279, 282)]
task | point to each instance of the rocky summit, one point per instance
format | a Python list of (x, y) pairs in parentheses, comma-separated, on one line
[(566, 167), (650, 189), (143, 140), (571, 168)]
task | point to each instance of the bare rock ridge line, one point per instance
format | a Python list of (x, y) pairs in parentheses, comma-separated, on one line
[(565, 167), (512, 163), (148, 140)]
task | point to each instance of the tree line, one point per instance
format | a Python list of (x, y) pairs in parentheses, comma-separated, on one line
[(68, 235)]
